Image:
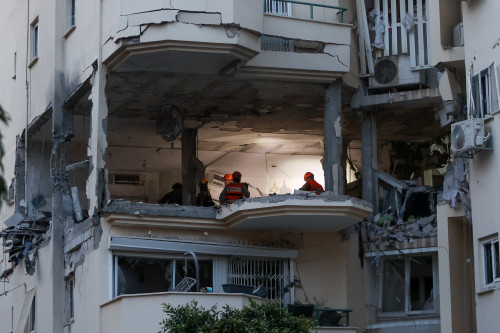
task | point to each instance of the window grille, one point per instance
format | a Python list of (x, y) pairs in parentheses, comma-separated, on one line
[(272, 274), (269, 43)]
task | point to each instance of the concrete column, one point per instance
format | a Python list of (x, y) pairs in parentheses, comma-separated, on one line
[(189, 159), (50, 298), (332, 161), (98, 142), (369, 158)]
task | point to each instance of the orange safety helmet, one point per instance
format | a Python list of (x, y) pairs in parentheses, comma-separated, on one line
[(308, 174), (237, 174), (204, 181), (228, 176)]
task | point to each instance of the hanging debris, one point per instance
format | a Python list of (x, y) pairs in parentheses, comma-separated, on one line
[(22, 240)]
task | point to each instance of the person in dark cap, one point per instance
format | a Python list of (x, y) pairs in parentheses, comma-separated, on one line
[(174, 196)]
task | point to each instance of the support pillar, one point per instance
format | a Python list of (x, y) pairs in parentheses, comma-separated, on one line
[(98, 142), (189, 167), (332, 161), (369, 158)]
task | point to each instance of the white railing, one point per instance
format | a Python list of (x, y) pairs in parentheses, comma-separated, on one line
[(272, 274), (398, 39), (269, 43), (276, 7)]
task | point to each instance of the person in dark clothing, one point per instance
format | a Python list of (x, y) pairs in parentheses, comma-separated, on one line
[(311, 185), (204, 198), (174, 196), (235, 190)]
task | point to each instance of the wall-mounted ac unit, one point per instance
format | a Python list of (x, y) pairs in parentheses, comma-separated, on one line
[(458, 35), (395, 71), (127, 178), (215, 178), (467, 136)]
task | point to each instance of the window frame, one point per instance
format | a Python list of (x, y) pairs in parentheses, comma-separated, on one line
[(70, 17), (407, 312), (485, 82), (491, 240), (70, 300), (219, 274), (31, 321), (173, 256), (35, 39)]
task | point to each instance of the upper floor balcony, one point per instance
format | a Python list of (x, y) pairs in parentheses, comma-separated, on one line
[(289, 213), (271, 39)]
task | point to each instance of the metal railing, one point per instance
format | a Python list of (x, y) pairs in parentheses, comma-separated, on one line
[(268, 4)]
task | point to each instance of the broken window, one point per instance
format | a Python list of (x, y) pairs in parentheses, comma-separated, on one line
[(491, 268), (485, 92), (139, 275), (408, 285)]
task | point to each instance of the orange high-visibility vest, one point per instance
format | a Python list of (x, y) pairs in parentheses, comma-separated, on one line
[(315, 186), (233, 192)]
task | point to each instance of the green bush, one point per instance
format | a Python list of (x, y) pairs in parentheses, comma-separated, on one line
[(256, 318)]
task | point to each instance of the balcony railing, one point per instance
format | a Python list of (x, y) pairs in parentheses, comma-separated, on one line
[(283, 7), (270, 43)]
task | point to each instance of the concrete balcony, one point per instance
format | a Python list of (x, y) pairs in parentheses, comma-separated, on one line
[(221, 37), (321, 50), (182, 36), (144, 312), (305, 212)]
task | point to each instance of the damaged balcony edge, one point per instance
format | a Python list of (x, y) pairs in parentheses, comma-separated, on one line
[(123, 52)]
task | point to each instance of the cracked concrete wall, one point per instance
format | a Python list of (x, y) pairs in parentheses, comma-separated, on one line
[(136, 19)]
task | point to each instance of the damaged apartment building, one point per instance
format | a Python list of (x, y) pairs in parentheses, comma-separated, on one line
[(114, 102)]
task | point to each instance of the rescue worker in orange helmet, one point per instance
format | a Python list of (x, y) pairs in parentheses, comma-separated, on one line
[(228, 178), (236, 190), (311, 185), (204, 198)]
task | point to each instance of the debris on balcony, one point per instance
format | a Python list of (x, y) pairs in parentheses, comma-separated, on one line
[(408, 211), (21, 239)]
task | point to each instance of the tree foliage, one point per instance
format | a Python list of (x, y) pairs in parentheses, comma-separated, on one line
[(256, 318)]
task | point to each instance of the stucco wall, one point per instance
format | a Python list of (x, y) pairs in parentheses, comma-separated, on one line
[(480, 53)]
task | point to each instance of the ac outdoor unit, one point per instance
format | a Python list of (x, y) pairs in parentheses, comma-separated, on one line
[(395, 71), (216, 179), (467, 135)]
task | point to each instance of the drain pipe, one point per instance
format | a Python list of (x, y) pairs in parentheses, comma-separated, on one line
[(197, 269)]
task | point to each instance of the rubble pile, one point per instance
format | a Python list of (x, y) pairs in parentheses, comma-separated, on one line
[(407, 212)]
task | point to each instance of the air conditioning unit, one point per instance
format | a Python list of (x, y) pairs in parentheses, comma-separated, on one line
[(395, 71), (215, 178), (458, 35), (127, 179), (467, 136)]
